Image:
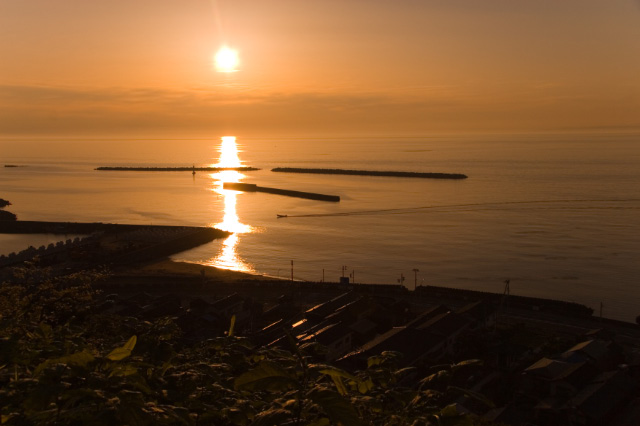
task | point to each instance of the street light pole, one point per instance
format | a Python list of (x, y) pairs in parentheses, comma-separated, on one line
[(415, 276)]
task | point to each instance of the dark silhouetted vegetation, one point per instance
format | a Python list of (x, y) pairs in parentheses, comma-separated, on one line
[(64, 359)]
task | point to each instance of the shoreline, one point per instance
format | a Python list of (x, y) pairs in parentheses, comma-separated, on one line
[(169, 276), (138, 256)]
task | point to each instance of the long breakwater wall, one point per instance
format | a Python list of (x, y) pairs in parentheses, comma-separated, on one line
[(176, 169), (371, 173), (249, 187)]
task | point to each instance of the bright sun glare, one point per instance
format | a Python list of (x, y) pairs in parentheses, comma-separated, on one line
[(227, 60)]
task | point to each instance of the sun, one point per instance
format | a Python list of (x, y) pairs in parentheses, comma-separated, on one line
[(227, 60)]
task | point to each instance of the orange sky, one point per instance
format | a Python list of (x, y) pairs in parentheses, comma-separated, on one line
[(339, 67)]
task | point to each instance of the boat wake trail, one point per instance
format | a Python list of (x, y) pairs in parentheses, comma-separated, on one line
[(479, 206)]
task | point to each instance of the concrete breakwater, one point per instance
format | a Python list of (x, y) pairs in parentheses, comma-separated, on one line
[(176, 169), (249, 187), (108, 243), (45, 252), (371, 173)]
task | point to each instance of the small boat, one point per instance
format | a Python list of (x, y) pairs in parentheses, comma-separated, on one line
[(281, 215)]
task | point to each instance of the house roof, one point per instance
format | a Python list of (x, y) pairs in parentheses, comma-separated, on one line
[(478, 310), (594, 349), (603, 394), (227, 302), (384, 337), (552, 369), (410, 342), (363, 326), (427, 316), (445, 324), (328, 334), (324, 309)]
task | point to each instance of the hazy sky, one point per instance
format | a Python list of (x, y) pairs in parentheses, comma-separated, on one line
[(403, 67)]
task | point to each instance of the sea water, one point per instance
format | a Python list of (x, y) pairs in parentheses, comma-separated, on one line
[(558, 214)]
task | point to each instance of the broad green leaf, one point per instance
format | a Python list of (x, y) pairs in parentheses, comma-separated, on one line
[(337, 380), (232, 325), (373, 361), (404, 371), (338, 408), (123, 370), (336, 375), (122, 352), (131, 343), (450, 410), (332, 371), (364, 386), (5, 418), (391, 354), (266, 376), (81, 359), (435, 379), (118, 354)]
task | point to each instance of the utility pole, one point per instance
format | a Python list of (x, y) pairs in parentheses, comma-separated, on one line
[(344, 268), (322, 274), (292, 270), (504, 303), (401, 279), (415, 276), (601, 306)]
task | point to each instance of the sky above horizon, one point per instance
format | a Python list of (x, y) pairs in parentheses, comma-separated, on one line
[(349, 67)]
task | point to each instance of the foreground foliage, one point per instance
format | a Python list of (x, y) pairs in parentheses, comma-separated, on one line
[(61, 363)]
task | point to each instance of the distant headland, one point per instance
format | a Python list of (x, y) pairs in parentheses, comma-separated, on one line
[(371, 173)]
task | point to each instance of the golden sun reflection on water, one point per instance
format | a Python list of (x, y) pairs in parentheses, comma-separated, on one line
[(228, 257)]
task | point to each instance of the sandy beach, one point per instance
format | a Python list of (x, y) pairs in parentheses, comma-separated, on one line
[(167, 267)]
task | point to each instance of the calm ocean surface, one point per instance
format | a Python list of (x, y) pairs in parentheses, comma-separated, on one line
[(559, 215)]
